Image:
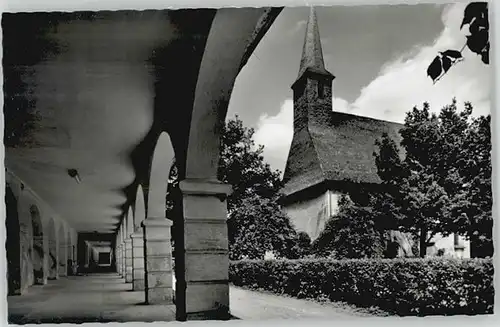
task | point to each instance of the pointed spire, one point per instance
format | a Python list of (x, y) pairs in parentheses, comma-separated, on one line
[(312, 53)]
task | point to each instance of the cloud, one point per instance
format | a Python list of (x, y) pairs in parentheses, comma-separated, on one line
[(401, 84), (297, 27), (341, 105), (275, 133)]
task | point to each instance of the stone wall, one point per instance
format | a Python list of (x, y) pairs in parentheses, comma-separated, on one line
[(32, 251)]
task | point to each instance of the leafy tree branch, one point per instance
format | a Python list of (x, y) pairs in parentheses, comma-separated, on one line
[(476, 16)]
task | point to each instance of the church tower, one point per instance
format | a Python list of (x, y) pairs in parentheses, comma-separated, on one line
[(312, 91)]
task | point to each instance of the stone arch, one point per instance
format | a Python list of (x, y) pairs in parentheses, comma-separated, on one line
[(215, 83), (139, 209), (62, 254), (216, 78), (163, 159), (52, 240), (37, 253), (13, 243)]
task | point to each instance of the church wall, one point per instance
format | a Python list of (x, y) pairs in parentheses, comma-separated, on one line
[(310, 215)]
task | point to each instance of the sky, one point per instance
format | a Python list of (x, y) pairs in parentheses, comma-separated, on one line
[(379, 55)]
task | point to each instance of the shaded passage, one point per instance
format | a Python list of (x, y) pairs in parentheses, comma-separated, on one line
[(79, 299)]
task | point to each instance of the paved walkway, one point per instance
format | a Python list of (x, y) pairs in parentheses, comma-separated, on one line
[(106, 298), (93, 298)]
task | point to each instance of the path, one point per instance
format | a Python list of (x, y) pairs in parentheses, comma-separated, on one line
[(247, 304), (106, 297), (92, 298)]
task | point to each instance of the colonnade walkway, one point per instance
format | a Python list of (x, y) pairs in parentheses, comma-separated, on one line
[(105, 297), (101, 297)]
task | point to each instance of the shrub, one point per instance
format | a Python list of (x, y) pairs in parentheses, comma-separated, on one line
[(350, 234), (259, 225), (403, 287)]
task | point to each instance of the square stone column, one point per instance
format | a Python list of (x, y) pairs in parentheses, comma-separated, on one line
[(120, 264), (124, 259), (138, 261), (118, 259), (158, 260), (63, 264), (128, 261), (53, 271), (206, 249)]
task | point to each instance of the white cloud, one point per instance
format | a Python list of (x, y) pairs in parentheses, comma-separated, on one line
[(400, 85), (275, 133), (297, 27), (403, 83), (341, 105)]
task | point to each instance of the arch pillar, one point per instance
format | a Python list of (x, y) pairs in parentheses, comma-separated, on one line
[(119, 259), (62, 254), (138, 261), (158, 260), (117, 253), (137, 236), (206, 249), (124, 256), (124, 260), (128, 260), (69, 252), (53, 272)]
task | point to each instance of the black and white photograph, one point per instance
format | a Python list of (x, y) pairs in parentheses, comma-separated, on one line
[(248, 163)]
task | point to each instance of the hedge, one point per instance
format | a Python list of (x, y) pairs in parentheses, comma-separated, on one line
[(399, 286)]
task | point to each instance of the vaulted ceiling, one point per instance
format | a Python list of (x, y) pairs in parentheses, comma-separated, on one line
[(81, 93)]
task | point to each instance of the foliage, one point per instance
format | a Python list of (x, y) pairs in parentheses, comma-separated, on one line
[(443, 185), (242, 165), (399, 286), (351, 233), (476, 16), (303, 244), (473, 206), (258, 225)]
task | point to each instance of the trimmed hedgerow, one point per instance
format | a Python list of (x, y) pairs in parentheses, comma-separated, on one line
[(403, 287)]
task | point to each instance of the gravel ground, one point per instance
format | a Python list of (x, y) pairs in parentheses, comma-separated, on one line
[(262, 305)]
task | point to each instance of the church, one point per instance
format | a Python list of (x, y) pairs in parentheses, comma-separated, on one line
[(332, 152)]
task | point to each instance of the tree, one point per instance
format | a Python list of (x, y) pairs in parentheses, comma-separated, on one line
[(242, 165), (254, 197), (476, 16), (473, 206), (443, 185), (258, 225), (351, 233), (303, 244)]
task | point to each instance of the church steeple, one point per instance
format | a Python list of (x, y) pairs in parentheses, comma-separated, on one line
[(312, 91), (312, 52)]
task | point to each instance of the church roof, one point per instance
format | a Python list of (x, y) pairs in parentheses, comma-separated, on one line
[(312, 53), (329, 146), (338, 148)]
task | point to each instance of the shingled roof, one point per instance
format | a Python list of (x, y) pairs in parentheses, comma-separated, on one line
[(339, 148), (312, 52)]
